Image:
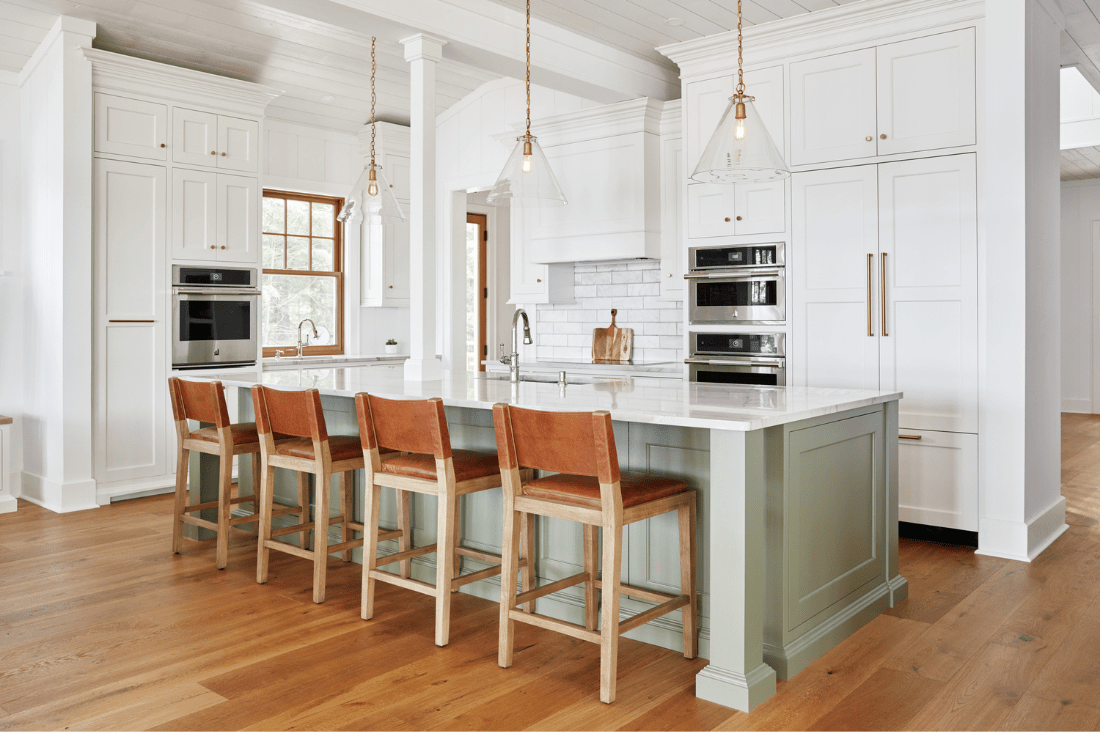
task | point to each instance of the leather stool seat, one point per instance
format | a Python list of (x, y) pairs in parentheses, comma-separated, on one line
[(468, 465), (342, 447), (243, 433), (637, 488)]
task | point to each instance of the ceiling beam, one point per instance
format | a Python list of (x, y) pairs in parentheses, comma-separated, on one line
[(488, 36)]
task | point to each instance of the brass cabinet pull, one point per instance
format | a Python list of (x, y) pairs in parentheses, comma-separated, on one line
[(870, 264), (162, 144), (539, 280), (910, 437), (130, 321), (883, 135), (727, 218), (882, 293), (869, 138), (738, 218), (223, 155), (213, 153), (223, 246)]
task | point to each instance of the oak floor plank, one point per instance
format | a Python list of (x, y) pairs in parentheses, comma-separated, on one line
[(885, 701), (150, 707), (1073, 672), (1036, 713), (681, 711), (952, 574)]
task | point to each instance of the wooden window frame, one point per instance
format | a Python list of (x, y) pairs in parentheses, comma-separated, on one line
[(337, 348)]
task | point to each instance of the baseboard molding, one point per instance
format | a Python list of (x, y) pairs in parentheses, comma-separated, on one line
[(8, 504), (1077, 406), (1023, 541), (77, 495), (107, 493)]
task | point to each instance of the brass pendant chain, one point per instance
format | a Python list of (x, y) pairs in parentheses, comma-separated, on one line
[(373, 98), (528, 69), (740, 72)]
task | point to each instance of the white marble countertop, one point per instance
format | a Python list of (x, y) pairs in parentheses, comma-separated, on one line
[(650, 401), (588, 366)]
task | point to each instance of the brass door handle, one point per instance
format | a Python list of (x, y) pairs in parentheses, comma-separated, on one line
[(882, 293), (910, 437), (870, 264)]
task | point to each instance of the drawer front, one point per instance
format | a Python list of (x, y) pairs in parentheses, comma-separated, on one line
[(938, 479)]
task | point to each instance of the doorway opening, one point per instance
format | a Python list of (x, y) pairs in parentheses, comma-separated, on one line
[(477, 290)]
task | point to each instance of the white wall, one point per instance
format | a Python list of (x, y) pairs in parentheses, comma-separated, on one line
[(11, 276), (311, 160), (56, 111), (1080, 237)]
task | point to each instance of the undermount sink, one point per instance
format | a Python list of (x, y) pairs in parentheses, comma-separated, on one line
[(544, 378)]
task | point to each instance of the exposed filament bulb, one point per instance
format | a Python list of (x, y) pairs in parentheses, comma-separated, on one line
[(372, 185), (528, 162)]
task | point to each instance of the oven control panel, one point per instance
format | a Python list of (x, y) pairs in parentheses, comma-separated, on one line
[(754, 255), (739, 344)]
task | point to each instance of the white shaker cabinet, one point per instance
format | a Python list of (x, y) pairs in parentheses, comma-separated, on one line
[(238, 144), (132, 127), (214, 216), (673, 251), (833, 108), (385, 262), (130, 331), (215, 140)]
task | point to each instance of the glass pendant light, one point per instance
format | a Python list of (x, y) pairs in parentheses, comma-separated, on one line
[(378, 194), (740, 148), (527, 179)]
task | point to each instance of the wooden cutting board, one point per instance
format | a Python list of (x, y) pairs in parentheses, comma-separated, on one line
[(612, 344)]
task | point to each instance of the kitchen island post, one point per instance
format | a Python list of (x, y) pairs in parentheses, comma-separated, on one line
[(797, 507)]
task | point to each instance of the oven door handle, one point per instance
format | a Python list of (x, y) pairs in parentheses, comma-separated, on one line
[(732, 362), (736, 275), (206, 291)]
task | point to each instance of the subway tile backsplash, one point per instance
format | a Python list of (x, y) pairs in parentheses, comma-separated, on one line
[(632, 288)]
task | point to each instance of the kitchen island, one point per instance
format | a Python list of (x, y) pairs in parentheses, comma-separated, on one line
[(797, 506)]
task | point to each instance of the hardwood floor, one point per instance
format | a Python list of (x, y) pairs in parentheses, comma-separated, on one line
[(102, 627)]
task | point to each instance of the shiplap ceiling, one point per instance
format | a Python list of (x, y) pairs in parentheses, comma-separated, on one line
[(1082, 163)]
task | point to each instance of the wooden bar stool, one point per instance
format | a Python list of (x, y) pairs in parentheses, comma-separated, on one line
[(580, 446), (418, 428), (204, 401), (310, 451)]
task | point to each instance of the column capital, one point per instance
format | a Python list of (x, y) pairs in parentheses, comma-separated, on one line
[(423, 47)]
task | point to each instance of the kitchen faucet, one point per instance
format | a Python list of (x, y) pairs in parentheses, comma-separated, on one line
[(513, 360), (315, 334)]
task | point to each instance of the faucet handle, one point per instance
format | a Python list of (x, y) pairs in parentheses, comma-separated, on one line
[(504, 359)]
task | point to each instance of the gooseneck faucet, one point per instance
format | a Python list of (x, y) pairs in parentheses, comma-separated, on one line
[(512, 360), (315, 334)]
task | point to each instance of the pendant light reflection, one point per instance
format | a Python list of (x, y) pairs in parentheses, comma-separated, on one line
[(740, 148), (527, 179)]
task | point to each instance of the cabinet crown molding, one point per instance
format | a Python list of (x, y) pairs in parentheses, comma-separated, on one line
[(119, 73), (621, 118), (820, 31)]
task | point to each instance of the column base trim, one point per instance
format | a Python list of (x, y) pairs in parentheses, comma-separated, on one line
[(77, 495), (743, 692), (8, 504), (1022, 541)]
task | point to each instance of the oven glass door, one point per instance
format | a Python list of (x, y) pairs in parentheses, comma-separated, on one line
[(749, 298), (763, 373), (214, 328)]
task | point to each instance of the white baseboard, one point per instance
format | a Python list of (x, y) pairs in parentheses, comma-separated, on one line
[(8, 504), (1019, 540), (1077, 406), (158, 486), (77, 495)]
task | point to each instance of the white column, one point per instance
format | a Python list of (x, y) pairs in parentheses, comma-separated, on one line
[(1021, 507), (423, 53)]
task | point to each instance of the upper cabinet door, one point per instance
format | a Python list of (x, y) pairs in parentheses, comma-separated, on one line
[(835, 243), (673, 252), (129, 127), (238, 144), (833, 108), (397, 173), (710, 205), (194, 214), (194, 137), (926, 93), (929, 237), (238, 218)]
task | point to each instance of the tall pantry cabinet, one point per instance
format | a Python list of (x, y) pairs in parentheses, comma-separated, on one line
[(177, 181), (877, 119)]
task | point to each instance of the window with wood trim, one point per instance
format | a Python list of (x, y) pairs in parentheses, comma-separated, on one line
[(303, 276)]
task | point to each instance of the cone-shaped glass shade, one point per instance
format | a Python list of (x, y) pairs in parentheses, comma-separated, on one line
[(526, 180), (382, 201), (740, 150)]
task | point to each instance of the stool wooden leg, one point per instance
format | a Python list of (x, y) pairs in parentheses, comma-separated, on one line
[(257, 467), (509, 559), (609, 641), (347, 507), (225, 507), (445, 557), (458, 540), (183, 457), (323, 484), (303, 503), (592, 567), (686, 516), (372, 496), (527, 573), (267, 488), (404, 523)]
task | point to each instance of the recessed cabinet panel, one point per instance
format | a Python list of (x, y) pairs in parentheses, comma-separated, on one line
[(194, 214), (833, 108), (938, 479), (238, 144), (194, 137), (238, 217), (130, 127), (130, 227), (395, 234), (928, 233), (397, 173), (926, 93), (673, 251), (132, 419), (760, 207)]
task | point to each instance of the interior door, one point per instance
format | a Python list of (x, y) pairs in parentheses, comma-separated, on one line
[(926, 93), (833, 108), (194, 137), (195, 212), (928, 234), (833, 267), (131, 345)]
